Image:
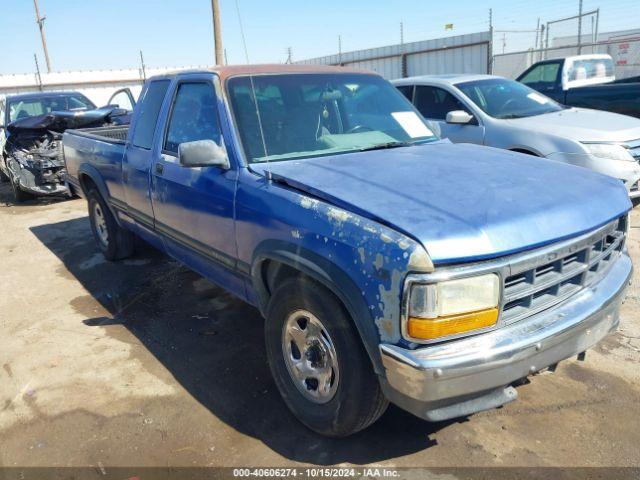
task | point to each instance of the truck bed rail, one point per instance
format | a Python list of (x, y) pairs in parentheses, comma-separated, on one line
[(112, 134)]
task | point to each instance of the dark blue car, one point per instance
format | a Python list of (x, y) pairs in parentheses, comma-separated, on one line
[(389, 265), (31, 126)]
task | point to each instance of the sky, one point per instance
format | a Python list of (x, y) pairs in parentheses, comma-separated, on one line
[(108, 34)]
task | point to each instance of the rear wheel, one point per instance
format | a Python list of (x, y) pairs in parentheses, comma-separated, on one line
[(114, 241), (318, 361)]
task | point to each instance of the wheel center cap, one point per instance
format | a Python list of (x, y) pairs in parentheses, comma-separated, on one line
[(315, 355)]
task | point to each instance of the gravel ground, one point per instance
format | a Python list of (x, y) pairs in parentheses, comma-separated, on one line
[(143, 362)]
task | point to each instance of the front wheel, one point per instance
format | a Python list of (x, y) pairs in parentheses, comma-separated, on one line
[(318, 361), (114, 241)]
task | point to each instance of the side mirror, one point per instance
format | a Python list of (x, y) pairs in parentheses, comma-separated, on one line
[(459, 117), (203, 153)]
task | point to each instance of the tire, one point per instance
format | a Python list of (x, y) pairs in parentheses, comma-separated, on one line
[(114, 241), (352, 398), (19, 195)]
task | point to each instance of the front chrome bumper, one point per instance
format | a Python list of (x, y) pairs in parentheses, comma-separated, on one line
[(464, 376)]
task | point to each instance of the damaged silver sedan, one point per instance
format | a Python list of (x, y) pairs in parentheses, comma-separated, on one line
[(31, 127)]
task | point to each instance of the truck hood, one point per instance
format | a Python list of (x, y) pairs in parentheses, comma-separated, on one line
[(583, 125), (462, 202)]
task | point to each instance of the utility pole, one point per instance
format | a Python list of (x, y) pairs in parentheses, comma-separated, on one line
[(490, 48), (339, 49), (217, 32), (40, 22), (504, 41), (401, 35), (144, 68), (35, 58), (579, 27), (289, 56)]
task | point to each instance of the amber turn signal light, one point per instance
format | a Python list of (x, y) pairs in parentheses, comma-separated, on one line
[(430, 329)]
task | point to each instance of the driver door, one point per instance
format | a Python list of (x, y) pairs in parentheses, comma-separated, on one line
[(193, 206), (434, 103)]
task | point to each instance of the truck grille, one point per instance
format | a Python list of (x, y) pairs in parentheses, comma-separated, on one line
[(538, 282)]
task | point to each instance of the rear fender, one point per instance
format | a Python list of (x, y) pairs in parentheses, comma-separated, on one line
[(89, 172)]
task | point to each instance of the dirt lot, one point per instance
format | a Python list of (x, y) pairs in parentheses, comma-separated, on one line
[(143, 362)]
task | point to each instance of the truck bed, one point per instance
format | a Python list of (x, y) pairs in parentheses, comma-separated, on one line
[(620, 97), (101, 148)]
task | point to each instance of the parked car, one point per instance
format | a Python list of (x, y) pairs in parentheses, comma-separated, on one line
[(584, 81), (389, 265), (497, 112), (31, 127)]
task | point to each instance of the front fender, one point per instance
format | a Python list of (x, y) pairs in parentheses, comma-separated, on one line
[(330, 276)]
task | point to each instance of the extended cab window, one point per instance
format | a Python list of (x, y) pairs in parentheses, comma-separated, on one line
[(193, 116), (435, 103), (148, 116)]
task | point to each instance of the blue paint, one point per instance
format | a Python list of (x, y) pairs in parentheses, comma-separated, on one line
[(463, 202), (357, 223)]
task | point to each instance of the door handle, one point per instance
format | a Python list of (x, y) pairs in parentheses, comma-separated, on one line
[(159, 168)]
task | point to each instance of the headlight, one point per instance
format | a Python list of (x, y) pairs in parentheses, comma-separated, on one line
[(609, 151), (453, 306)]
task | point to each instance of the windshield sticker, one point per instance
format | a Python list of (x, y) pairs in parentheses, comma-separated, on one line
[(412, 124), (536, 97)]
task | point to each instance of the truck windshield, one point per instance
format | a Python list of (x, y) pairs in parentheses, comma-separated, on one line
[(303, 115), (32, 106), (502, 98)]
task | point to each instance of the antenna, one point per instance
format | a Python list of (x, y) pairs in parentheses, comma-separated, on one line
[(253, 91)]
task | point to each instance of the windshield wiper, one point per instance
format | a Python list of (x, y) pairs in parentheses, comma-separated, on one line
[(383, 146), (511, 116)]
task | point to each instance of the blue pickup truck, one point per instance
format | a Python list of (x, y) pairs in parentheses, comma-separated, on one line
[(389, 265)]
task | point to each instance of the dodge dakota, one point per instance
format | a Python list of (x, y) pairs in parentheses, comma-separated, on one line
[(502, 113), (389, 265), (585, 81)]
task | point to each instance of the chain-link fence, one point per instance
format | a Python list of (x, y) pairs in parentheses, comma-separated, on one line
[(625, 54)]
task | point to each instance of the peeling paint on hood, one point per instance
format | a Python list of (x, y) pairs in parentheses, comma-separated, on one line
[(461, 202)]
